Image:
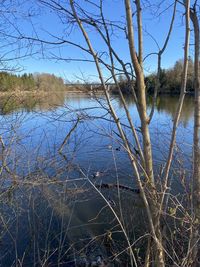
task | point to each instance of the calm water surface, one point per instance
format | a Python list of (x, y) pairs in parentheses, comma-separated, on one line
[(49, 214)]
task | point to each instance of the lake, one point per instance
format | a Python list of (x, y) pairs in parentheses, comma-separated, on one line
[(52, 213)]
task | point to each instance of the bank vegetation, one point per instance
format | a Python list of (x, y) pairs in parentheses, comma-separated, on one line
[(10, 82)]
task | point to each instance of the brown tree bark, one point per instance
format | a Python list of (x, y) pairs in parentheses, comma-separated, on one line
[(196, 144), (141, 91)]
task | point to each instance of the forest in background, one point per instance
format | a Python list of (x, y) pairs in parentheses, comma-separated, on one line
[(41, 164), (10, 82), (170, 81)]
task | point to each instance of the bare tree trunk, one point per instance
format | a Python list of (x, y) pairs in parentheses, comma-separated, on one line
[(181, 100), (196, 145), (140, 37), (141, 91)]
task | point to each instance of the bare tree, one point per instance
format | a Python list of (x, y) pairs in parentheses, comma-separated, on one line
[(196, 144), (155, 193), (149, 192)]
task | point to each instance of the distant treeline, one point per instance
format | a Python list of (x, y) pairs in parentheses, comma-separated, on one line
[(170, 80), (28, 82)]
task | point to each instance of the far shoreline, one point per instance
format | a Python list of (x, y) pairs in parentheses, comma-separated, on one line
[(43, 93)]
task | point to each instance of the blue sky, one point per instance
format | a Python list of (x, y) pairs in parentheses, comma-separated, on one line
[(46, 23)]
